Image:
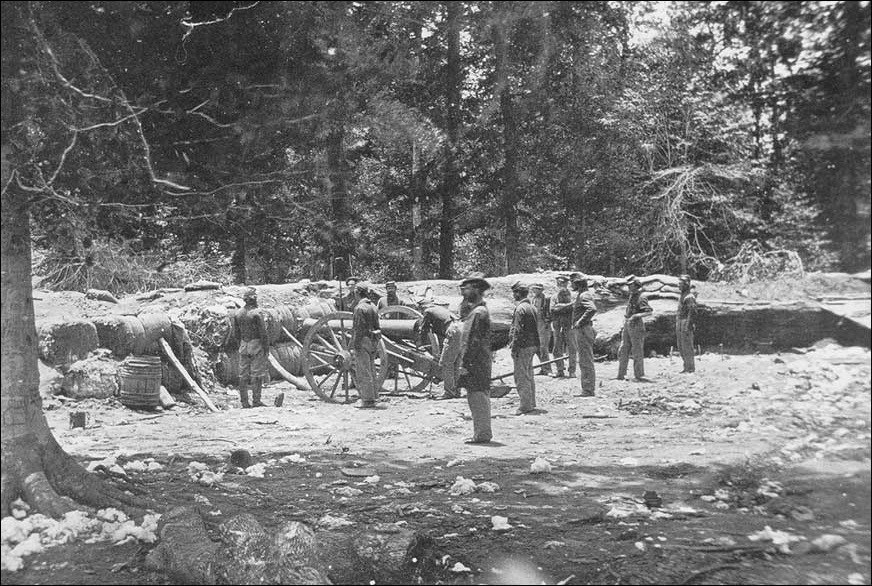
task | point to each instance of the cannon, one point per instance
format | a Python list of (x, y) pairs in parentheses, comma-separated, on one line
[(328, 364)]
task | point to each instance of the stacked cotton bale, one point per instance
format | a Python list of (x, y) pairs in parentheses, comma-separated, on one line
[(122, 334), (290, 357), (62, 343), (280, 318), (94, 377), (317, 308)]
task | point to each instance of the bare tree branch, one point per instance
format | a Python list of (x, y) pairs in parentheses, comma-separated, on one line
[(192, 25)]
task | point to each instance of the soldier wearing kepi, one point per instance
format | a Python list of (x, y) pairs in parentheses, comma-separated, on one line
[(365, 335), (249, 327), (476, 361), (633, 334), (543, 323), (685, 323), (561, 326), (446, 327), (583, 310), (524, 343), (352, 296)]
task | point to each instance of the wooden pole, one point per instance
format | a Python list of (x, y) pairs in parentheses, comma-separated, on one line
[(188, 379), (298, 382), (535, 366)]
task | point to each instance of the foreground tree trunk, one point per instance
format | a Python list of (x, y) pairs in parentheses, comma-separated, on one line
[(33, 465), (451, 183)]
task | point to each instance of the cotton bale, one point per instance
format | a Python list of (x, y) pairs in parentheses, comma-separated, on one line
[(68, 341), (122, 334), (94, 377), (156, 325), (290, 357)]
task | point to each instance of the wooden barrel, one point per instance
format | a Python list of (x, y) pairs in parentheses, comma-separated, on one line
[(139, 380)]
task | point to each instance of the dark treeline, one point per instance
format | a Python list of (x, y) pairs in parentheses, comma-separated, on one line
[(423, 139)]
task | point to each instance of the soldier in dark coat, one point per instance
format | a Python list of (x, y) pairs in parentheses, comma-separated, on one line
[(365, 336), (248, 326), (523, 344), (685, 323), (583, 310), (476, 359), (633, 334)]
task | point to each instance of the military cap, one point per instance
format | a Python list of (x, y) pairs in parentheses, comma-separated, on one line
[(391, 284), (633, 280), (537, 286), (364, 286), (475, 281), (575, 277), (352, 280), (250, 293), (519, 286)]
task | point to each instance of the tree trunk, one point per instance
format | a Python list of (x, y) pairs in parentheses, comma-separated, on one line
[(337, 174), (237, 260), (33, 465), (509, 202), (417, 235), (451, 182)]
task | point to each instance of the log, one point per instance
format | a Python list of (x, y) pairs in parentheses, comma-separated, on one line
[(191, 382), (297, 381), (166, 400)]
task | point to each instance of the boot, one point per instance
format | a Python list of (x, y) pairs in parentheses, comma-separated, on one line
[(255, 396), (243, 398)]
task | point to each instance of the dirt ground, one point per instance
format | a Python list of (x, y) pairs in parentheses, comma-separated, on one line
[(748, 442)]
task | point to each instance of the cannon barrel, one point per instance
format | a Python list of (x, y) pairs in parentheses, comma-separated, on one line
[(395, 329)]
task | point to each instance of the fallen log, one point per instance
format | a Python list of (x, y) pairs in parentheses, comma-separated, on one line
[(191, 382)]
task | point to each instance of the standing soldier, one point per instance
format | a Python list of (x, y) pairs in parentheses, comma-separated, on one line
[(543, 323), (561, 326), (352, 296), (390, 298), (249, 327), (365, 335), (524, 343), (583, 310), (685, 323), (475, 352), (447, 329), (633, 334)]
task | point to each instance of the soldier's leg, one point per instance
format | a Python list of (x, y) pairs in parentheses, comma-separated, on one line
[(244, 377), (448, 360), (523, 363), (684, 334), (364, 376), (544, 341), (624, 351), (559, 348), (585, 359), (479, 406), (259, 373), (637, 333), (571, 349)]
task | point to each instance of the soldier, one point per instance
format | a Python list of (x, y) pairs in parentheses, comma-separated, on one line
[(524, 343), (390, 298), (633, 334), (352, 296), (475, 353), (561, 326), (365, 335), (249, 327), (685, 323), (583, 310), (447, 328), (543, 323)]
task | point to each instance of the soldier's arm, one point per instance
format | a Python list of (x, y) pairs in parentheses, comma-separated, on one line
[(644, 307), (559, 308), (262, 330), (587, 311), (232, 332)]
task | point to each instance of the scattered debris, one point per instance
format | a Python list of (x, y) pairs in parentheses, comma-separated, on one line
[(460, 568), (828, 542), (781, 539), (462, 486), (500, 523), (332, 523), (540, 466)]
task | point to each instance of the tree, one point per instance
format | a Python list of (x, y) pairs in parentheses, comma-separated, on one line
[(38, 109)]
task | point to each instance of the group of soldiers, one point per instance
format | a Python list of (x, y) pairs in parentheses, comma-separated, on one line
[(561, 324)]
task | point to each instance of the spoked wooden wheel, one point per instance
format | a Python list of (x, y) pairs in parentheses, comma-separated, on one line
[(328, 362), (409, 362)]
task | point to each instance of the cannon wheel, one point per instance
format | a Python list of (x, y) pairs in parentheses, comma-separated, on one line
[(413, 378), (327, 361)]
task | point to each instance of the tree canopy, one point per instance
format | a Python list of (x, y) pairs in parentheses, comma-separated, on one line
[(282, 140)]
